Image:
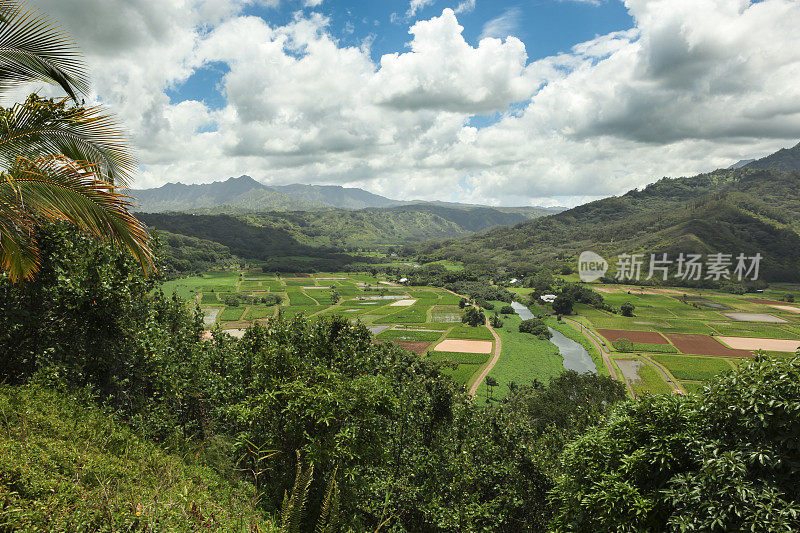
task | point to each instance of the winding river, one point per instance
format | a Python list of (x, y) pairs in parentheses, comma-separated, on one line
[(575, 356)]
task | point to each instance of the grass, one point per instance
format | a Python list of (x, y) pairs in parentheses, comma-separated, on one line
[(692, 387), (692, 368), (448, 298), (751, 329), (480, 333), (523, 358), (461, 374), (409, 335), (65, 466), (255, 313), (294, 310), (650, 382), (300, 298), (416, 314), (460, 358), (644, 347), (209, 298), (232, 314)]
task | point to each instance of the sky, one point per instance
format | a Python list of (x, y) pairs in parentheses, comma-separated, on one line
[(499, 102)]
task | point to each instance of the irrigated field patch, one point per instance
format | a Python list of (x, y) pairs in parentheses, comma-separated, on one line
[(410, 335), (468, 332), (647, 337), (749, 343), (446, 314), (755, 317), (693, 368)]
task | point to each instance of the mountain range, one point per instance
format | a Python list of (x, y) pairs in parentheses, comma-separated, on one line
[(246, 195), (755, 208)]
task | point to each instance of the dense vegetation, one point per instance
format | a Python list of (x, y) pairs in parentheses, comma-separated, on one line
[(278, 249), (183, 255), (727, 460), (730, 211), (298, 232), (392, 437)]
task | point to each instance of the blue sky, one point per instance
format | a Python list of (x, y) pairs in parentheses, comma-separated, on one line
[(547, 27)]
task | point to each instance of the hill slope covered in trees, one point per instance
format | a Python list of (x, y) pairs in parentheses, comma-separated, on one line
[(728, 211)]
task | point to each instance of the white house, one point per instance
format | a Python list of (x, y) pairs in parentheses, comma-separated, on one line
[(548, 298)]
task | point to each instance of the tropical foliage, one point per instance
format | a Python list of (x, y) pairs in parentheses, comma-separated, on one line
[(58, 162)]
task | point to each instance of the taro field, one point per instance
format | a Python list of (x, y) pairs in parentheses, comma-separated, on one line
[(425, 320), (680, 338)]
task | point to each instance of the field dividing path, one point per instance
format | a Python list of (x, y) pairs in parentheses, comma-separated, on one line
[(498, 347)]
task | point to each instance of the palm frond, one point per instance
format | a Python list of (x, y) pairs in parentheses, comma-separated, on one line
[(58, 189), (32, 48), (40, 126)]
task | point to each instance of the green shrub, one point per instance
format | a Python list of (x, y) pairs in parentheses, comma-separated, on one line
[(724, 459), (536, 327)]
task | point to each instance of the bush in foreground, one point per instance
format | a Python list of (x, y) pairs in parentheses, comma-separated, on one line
[(727, 459)]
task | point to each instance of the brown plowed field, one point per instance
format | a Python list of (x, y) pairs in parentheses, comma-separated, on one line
[(649, 337), (417, 347), (703, 345)]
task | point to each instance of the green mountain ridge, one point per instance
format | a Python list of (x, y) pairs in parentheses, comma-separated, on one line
[(748, 210), (320, 234), (246, 195)]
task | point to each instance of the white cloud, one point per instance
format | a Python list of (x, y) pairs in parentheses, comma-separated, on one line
[(415, 5), (442, 71), (672, 96), (502, 26), (465, 6)]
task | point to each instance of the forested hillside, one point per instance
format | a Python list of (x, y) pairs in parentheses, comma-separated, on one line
[(321, 236), (784, 159), (730, 211)]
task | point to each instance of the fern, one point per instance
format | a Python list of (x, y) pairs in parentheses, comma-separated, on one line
[(330, 506), (294, 503)]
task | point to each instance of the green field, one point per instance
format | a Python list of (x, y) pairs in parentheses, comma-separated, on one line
[(480, 333), (231, 314), (650, 382), (693, 368), (644, 347), (523, 358), (409, 335)]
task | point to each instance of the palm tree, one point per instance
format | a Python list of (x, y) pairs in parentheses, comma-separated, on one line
[(59, 160)]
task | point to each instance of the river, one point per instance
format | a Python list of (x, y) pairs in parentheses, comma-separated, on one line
[(575, 356)]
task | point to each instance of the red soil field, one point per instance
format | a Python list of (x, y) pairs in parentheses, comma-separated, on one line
[(417, 347), (704, 345), (649, 337)]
